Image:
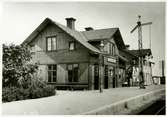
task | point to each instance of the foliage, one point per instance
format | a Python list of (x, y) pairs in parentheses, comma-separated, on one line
[(20, 79), (15, 58), (15, 93)]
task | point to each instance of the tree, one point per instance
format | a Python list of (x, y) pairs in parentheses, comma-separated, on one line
[(15, 65)]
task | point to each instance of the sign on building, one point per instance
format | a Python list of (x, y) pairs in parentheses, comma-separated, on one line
[(111, 60)]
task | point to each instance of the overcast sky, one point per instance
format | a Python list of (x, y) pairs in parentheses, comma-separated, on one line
[(20, 19)]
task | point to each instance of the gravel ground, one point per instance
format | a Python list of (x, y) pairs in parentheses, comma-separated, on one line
[(74, 102)]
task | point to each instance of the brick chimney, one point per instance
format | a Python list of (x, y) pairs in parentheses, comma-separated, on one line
[(88, 28), (71, 23)]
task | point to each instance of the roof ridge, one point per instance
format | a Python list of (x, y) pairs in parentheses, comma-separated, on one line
[(100, 29)]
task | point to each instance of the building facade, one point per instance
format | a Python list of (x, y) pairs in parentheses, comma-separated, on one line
[(71, 59)]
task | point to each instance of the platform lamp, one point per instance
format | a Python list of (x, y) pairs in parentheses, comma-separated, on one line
[(100, 65)]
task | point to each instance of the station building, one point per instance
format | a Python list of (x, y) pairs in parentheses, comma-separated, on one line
[(71, 59)]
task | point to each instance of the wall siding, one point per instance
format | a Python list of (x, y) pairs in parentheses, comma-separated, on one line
[(83, 72), (61, 73), (63, 54), (42, 72)]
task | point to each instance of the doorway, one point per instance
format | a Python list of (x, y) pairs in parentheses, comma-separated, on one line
[(96, 77), (114, 82), (112, 76), (106, 77)]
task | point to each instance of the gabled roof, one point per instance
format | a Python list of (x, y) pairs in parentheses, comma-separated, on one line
[(101, 34), (82, 37), (75, 34), (144, 52)]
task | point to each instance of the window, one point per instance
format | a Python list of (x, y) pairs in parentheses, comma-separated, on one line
[(51, 43), (72, 72), (71, 45), (52, 73), (112, 49), (107, 48)]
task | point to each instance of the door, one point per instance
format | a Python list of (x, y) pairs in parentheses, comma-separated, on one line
[(106, 77), (96, 77), (114, 82), (112, 76)]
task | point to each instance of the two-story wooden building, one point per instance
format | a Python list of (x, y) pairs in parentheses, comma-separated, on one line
[(76, 59)]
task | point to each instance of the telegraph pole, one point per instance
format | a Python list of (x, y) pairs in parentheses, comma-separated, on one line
[(140, 46), (100, 66)]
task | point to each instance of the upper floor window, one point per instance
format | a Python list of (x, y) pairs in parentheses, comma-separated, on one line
[(51, 43), (107, 48), (110, 48), (72, 45)]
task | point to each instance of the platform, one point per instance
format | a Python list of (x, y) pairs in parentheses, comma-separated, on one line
[(86, 102)]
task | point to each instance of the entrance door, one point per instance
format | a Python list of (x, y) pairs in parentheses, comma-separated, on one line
[(96, 77), (112, 75), (106, 77), (113, 81)]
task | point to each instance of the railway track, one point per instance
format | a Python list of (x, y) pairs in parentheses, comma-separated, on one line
[(160, 111), (157, 108)]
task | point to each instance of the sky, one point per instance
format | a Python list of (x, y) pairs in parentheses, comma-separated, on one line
[(19, 19)]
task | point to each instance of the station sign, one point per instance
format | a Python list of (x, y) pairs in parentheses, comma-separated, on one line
[(112, 60)]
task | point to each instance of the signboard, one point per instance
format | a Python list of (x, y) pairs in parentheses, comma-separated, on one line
[(111, 60)]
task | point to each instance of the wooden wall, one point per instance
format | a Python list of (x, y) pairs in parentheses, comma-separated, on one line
[(63, 54), (62, 73)]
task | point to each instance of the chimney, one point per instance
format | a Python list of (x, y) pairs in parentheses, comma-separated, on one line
[(71, 23), (127, 47), (88, 28)]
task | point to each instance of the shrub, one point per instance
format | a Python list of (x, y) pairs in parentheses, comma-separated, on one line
[(49, 90), (20, 80), (9, 94), (15, 58), (14, 93)]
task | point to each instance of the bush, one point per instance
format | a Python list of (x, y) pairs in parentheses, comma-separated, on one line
[(20, 79), (15, 58), (49, 90), (14, 93)]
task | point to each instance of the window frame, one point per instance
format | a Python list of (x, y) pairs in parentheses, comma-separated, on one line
[(52, 71), (52, 46), (74, 45), (112, 48), (73, 79)]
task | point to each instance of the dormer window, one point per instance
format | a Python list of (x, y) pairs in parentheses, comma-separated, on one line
[(109, 48), (112, 49), (72, 45), (51, 43)]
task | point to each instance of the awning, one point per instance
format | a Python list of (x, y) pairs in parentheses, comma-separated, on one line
[(122, 58)]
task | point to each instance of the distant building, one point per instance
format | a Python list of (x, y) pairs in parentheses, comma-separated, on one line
[(147, 66)]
